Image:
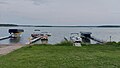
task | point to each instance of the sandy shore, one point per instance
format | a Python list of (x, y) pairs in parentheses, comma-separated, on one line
[(7, 48)]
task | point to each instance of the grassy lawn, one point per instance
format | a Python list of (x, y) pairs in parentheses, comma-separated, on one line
[(63, 57)]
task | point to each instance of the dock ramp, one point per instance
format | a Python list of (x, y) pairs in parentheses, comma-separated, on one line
[(87, 36), (6, 37), (97, 40)]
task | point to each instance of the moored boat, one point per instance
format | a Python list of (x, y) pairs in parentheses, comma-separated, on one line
[(15, 32), (75, 38)]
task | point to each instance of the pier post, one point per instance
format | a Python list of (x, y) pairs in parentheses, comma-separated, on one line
[(110, 38)]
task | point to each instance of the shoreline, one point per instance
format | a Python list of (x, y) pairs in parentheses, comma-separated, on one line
[(7, 48)]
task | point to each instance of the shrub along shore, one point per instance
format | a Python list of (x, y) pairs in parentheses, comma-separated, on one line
[(64, 55)]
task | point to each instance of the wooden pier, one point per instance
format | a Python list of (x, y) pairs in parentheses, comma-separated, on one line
[(33, 40), (43, 36)]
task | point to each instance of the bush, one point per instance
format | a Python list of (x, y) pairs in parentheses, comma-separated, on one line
[(111, 43), (119, 43), (65, 43)]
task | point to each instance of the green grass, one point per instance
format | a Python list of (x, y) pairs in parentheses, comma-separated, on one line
[(94, 56)]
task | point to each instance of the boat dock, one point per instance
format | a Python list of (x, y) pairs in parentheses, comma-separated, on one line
[(14, 33), (97, 40), (36, 36), (86, 36), (33, 40), (6, 37)]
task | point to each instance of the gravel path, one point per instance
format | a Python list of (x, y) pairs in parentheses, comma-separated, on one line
[(9, 48)]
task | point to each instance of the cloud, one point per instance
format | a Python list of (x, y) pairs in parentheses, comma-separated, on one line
[(61, 11), (3, 2)]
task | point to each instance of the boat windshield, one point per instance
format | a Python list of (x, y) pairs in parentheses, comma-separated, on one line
[(74, 34)]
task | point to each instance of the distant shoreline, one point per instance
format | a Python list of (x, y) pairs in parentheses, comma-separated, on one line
[(14, 25)]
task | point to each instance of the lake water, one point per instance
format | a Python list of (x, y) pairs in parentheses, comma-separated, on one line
[(58, 33)]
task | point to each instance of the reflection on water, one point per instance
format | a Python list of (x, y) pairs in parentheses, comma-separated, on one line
[(14, 40)]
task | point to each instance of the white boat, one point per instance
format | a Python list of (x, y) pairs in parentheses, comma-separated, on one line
[(46, 33), (75, 38), (36, 34)]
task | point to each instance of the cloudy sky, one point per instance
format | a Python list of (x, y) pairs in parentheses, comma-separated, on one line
[(60, 12)]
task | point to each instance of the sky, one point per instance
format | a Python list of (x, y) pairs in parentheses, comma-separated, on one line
[(60, 12)]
